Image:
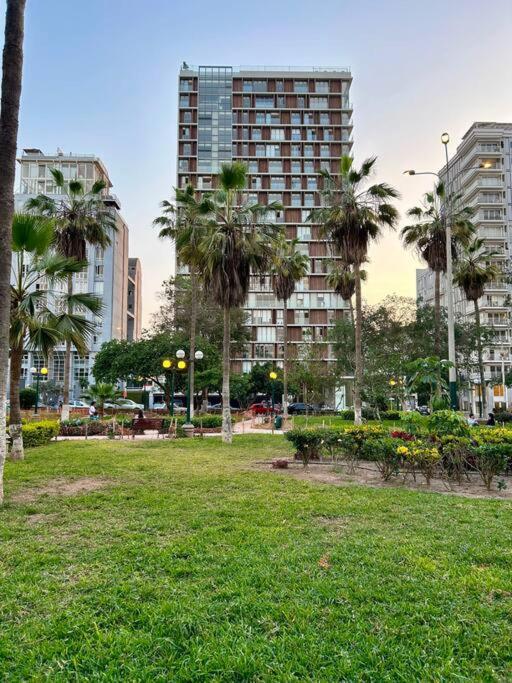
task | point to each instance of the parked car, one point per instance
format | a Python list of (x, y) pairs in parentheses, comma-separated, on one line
[(300, 408), (261, 408), (124, 404), (217, 407), (78, 404)]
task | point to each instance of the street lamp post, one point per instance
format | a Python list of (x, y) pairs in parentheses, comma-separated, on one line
[(188, 427), (452, 370), (167, 364), (273, 377), (38, 373)]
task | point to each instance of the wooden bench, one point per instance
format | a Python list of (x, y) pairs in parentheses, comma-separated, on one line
[(141, 424)]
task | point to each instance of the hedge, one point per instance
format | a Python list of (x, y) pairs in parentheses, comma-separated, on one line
[(39, 433), (371, 414)]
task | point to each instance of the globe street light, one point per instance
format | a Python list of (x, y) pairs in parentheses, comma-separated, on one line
[(167, 364), (44, 372), (273, 377)]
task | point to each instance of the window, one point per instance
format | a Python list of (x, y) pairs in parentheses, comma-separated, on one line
[(256, 133), (184, 101), (296, 183), (296, 134), (260, 117), (324, 151), (491, 214), (276, 198), (187, 117), (325, 165), (277, 183), (309, 150), (252, 198), (305, 215), (253, 166), (98, 271), (185, 85), (325, 119), (309, 118), (309, 167), (322, 86), (319, 103), (185, 134), (183, 165), (296, 167), (296, 118), (187, 149), (301, 102), (328, 135), (311, 134), (312, 183), (264, 350), (260, 150), (266, 334), (273, 150), (280, 86), (309, 199), (275, 166), (281, 103), (303, 232), (296, 200), (256, 183), (300, 86), (277, 134), (296, 151), (264, 102)]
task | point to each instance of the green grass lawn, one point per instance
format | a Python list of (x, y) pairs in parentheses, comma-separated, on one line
[(190, 565), (337, 421)]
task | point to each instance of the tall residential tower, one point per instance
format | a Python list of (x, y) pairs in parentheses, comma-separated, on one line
[(285, 124)]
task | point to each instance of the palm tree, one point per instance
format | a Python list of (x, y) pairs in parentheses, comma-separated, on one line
[(101, 393), (288, 267), (342, 280), (37, 272), (12, 67), (428, 236), (184, 223), (236, 242), (472, 274), (352, 217), (81, 218)]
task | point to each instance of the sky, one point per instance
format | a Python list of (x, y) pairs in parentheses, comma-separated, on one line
[(100, 77)]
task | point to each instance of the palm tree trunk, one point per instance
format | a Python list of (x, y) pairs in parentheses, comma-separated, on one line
[(351, 307), (483, 399), (193, 319), (437, 314), (17, 452), (285, 358), (12, 67), (64, 415), (358, 378), (227, 436)]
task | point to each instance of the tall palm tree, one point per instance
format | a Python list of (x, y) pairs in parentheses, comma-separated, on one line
[(184, 223), (343, 281), (428, 236), (236, 242), (288, 267), (81, 218), (37, 273), (473, 273), (352, 217), (12, 67), (101, 393)]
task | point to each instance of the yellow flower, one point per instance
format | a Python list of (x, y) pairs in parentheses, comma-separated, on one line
[(402, 450)]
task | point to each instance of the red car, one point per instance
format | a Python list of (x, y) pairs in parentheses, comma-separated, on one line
[(260, 409)]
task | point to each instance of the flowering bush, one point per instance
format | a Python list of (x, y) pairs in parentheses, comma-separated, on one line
[(457, 456), (420, 456), (404, 436), (383, 452), (491, 460), (445, 422)]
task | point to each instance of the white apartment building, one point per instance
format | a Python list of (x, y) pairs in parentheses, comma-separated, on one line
[(481, 171), (107, 274)]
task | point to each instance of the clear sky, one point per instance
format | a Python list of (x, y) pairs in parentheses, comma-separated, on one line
[(101, 77)]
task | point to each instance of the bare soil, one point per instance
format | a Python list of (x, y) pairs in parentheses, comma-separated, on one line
[(368, 475), (60, 487)]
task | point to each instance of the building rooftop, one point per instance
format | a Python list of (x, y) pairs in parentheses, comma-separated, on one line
[(314, 71)]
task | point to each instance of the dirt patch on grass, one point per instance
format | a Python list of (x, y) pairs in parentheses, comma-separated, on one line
[(60, 487), (41, 518), (368, 475)]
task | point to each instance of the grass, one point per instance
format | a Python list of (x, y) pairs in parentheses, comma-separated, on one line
[(194, 566), (338, 421)]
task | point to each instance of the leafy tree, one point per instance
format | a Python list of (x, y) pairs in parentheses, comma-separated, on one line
[(473, 273), (26, 398), (12, 67), (81, 218), (288, 267), (427, 235), (310, 375), (343, 281), (37, 273), (236, 242), (184, 224), (431, 372), (353, 217)]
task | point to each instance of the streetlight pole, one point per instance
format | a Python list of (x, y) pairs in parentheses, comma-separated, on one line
[(167, 364), (452, 370), (38, 373), (188, 427), (273, 377)]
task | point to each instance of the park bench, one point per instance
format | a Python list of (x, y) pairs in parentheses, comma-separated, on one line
[(141, 424)]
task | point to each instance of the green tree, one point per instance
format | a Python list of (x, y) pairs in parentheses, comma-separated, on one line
[(473, 273), (288, 267), (81, 218), (237, 242), (427, 235), (343, 281), (353, 217), (184, 224), (37, 273), (12, 68), (101, 393), (430, 372)]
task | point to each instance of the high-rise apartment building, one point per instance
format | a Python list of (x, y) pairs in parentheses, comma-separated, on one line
[(285, 124), (481, 172), (134, 305), (107, 273)]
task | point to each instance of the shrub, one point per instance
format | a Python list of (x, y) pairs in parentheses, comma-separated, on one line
[(27, 398), (383, 452), (497, 435), (308, 443), (491, 460), (412, 421), (367, 414), (39, 433), (83, 427), (404, 436), (448, 422), (390, 415), (205, 421), (503, 416), (420, 456), (457, 456)]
